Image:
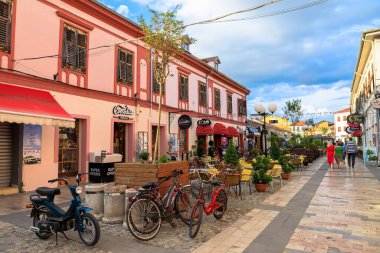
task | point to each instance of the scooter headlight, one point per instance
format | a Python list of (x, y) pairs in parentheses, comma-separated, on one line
[(78, 190)]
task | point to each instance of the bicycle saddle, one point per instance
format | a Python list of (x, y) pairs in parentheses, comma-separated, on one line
[(215, 183), (149, 185), (46, 191)]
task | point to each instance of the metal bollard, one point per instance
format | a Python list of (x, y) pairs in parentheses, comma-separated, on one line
[(95, 199), (129, 193), (114, 204)]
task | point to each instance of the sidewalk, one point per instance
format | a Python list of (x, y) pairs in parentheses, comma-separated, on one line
[(317, 211)]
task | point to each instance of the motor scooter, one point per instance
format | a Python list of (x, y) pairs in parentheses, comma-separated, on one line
[(49, 218)]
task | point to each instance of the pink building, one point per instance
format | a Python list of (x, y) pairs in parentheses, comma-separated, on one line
[(68, 88)]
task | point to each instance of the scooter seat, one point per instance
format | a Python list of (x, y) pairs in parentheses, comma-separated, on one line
[(46, 191)]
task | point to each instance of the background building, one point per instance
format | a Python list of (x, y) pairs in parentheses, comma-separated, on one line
[(340, 120), (298, 128)]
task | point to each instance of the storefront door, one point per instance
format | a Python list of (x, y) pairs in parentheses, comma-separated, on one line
[(119, 143), (6, 145), (183, 142), (68, 151)]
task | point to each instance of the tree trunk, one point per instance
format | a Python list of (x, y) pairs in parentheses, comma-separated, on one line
[(155, 155)]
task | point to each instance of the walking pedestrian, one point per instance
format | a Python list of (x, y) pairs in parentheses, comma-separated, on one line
[(344, 152), (330, 154), (338, 154), (351, 152)]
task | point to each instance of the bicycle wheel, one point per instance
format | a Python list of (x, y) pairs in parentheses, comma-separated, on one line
[(184, 202), (196, 220), (221, 200), (144, 219)]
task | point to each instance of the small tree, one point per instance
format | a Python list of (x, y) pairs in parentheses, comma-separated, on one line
[(231, 156), (293, 110), (164, 35), (324, 131), (275, 151)]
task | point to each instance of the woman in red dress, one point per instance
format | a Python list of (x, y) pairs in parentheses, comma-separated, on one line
[(330, 154)]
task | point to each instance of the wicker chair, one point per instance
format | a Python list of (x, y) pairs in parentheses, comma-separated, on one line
[(233, 180)]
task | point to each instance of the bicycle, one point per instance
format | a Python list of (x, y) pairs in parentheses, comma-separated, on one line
[(217, 206), (147, 208)]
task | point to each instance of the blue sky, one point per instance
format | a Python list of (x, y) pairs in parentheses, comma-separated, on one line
[(308, 54)]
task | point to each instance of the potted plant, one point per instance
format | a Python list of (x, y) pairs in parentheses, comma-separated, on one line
[(231, 159), (261, 180), (144, 156), (371, 156), (262, 162), (287, 167)]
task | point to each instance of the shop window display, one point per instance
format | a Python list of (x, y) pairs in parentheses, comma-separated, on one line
[(68, 152)]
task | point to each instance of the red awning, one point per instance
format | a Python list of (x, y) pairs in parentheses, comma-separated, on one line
[(220, 129), (232, 132), (30, 106), (204, 130)]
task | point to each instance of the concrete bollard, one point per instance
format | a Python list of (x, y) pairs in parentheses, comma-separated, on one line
[(114, 204), (95, 199), (128, 194)]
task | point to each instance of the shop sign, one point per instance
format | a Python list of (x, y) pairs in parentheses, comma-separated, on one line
[(204, 122), (32, 144), (184, 122), (122, 112), (376, 103), (355, 118), (357, 133), (352, 129)]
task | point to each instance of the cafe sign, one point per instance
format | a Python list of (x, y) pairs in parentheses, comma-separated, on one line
[(204, 122), (122, 112), (355, 118), (184, 122), (352, 129)]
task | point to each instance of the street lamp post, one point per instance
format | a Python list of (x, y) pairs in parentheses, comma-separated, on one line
[(260, 109)]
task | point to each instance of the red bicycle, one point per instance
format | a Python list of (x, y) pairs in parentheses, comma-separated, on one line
[(217, 206)]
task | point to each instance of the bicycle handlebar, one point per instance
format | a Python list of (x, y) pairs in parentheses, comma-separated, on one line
[(58, 180)]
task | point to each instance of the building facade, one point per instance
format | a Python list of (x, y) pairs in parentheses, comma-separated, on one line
[(340, 121), (365, 88), (299, 128), (100, 91)]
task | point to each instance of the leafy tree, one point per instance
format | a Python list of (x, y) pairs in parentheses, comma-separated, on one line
[(324, 130), (293, 110), (231, 156), (275, 151), (164, 35), (310, 122)]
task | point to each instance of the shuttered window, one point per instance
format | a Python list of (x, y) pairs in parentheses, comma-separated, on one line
[(183, 87), (217, 99), (5, 25), (242, 107), (202, 94), (74, 49), (125, 69), (229, 103)]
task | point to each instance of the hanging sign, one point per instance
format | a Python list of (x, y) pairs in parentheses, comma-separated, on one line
[(353, 125), (355, 118), (204, 122), (352, 129), (184, 122), (122, 112), (357, 133)]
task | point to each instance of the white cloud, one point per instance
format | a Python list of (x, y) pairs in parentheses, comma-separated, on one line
[(123, 10), (318, 98), (143, 2)]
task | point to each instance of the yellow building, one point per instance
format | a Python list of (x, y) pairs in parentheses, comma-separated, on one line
[(282, 123), (324, 128)]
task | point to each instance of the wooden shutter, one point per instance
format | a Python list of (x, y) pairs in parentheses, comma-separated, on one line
[(240, 107), (5, 25), (122, 66), (229, 103), (186, 88), (5, 154), (129, 69), (81, 47), (69, 41)]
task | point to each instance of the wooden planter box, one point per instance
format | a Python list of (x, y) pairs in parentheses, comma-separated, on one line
[(134, 175)]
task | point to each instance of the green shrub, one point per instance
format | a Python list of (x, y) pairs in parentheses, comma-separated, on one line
[(259, 177), (275, 151), (262, 162), (144, 155), (373, 158), (231, 156), (163, 159)]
